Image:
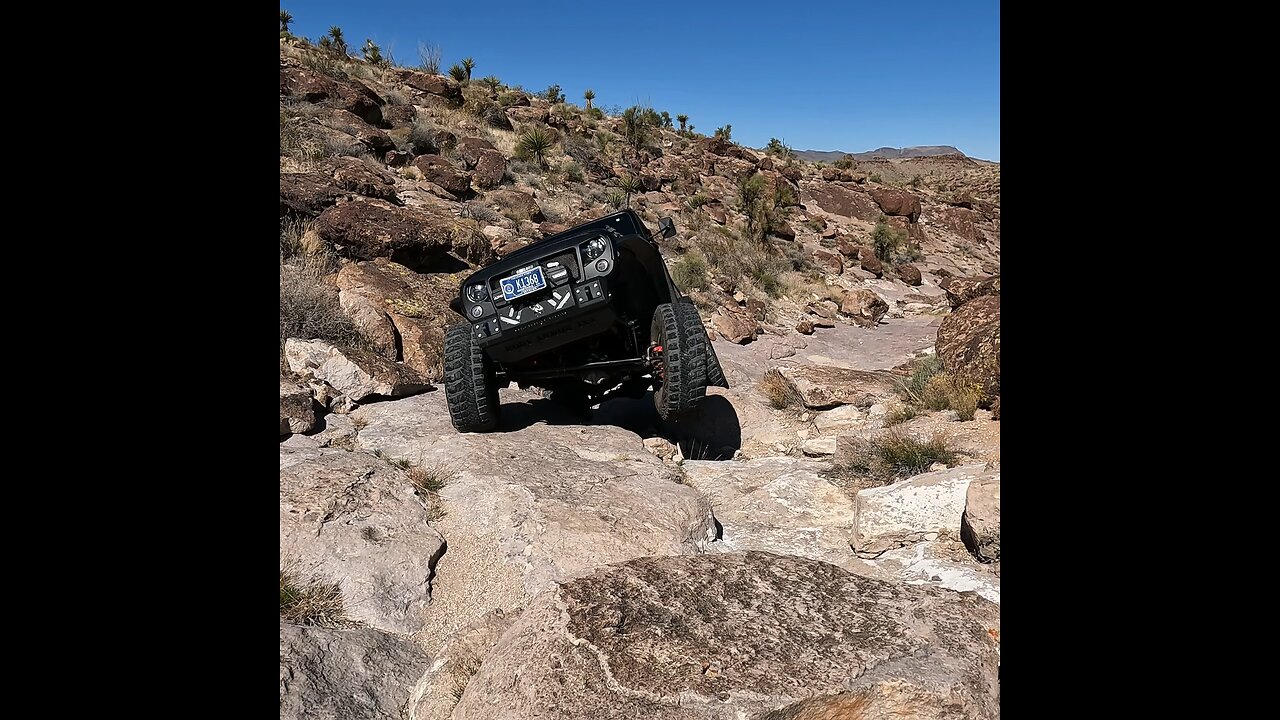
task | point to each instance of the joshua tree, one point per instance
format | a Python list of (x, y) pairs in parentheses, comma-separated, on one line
[(666, 119), (589, 95), (468, 64), (683, 119), (285, 19)]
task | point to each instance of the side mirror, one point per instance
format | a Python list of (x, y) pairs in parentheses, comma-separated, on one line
[(666, 228)]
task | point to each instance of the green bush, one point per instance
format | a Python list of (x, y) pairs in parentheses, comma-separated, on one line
[(885, 239), (690, 271), (553, 95)]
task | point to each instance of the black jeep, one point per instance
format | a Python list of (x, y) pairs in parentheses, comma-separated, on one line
[(589, 314)]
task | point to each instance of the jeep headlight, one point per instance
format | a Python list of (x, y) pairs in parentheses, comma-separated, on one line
[(477, 293), (594, 248)]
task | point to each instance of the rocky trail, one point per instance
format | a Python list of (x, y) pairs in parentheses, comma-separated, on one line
[(819, 540), (552, 499)]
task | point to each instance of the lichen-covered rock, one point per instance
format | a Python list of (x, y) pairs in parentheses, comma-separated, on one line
[(355, 674), (969, 345), (864, 306), (720, 637)]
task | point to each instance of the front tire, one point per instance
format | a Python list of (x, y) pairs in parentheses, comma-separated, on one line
[(470, 388), (678, 329)]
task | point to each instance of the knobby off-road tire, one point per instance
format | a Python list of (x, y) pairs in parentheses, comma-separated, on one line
[(678, 329), (715, 373), (469, 384)]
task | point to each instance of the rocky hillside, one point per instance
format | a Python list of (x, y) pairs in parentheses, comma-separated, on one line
[(884, 153), (821, 540)]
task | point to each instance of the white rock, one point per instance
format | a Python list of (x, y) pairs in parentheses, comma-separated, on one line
[(820, 446), (934, 563), (905, 512)]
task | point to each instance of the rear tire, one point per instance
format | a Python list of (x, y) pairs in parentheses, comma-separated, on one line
[(678, 329), (715, 373), (470, 388)]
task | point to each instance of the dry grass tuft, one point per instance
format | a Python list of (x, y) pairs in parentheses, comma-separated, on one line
[(895, 454), (778, 391), (462, 668), (309, 600)]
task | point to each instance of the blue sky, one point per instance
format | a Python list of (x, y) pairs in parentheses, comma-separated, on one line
[(819, 75)]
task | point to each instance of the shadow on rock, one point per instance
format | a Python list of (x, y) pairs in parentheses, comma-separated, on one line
[(710, 432)]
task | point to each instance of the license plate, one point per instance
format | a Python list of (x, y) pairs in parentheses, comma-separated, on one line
[(523, 283)]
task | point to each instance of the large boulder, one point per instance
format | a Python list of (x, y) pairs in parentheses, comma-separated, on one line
[(371, 322), (969, 345), (896, 202), (868, 261), (821, 387), (830, 261), (839, 200), (980, 525), (371, 229), (354, 126), (431, 84), (909, 274), (354, 372), (416, 305), (355, 176), (735, 326), (961, 290), (297, 412), (490, 168), (440, 171), (469, 149), (924, 507), (353, 97), (355, 674), (735, 636), (864, 306), (307, 194), (355, 519)]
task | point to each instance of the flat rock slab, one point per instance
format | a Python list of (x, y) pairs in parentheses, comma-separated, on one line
[(944, 564), (559, 500), (354, 674), (353, 518), (724, 637), (924, 507), (778, 504), (821, 387)]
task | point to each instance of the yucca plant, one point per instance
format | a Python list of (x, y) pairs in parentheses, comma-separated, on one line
[(589, 95), (457, 72), (337, 43), (468, 65), (285, 19), (683, 120), (535, 143)]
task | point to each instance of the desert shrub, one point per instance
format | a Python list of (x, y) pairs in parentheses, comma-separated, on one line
[(617, 199), (535, 144), (297, 145), (594, 113), (777, 147), (846, 162), (690, 271), (422, 138), (457, 72), (922, 369), (885, 239), (573, 171), (875, 178), (553, 94), (430, 480), (309, 306), (373, 54), (697, 200), (429, 57), (509, 98), (309, 600), (945, 392), (740, 259), (725, 132), (916, 180), (899, 413), (778, 391), (492, 82), (894, 454)]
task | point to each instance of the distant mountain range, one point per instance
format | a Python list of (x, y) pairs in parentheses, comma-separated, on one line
[(830, 156)]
